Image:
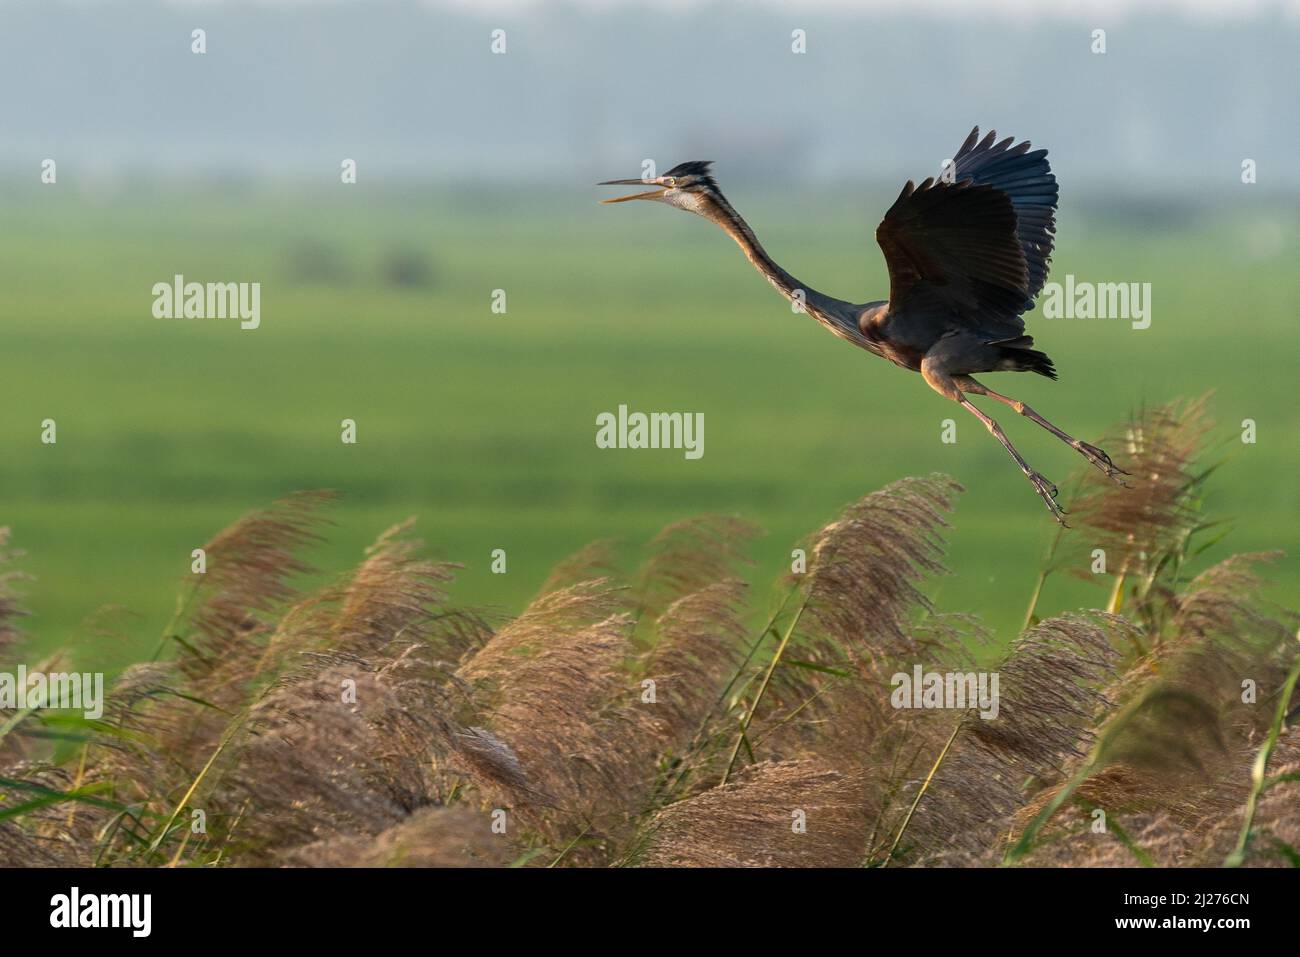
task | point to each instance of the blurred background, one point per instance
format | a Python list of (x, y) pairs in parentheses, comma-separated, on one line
[(475, 172)]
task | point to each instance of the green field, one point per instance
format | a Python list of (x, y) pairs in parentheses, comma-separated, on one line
[(376, 307)]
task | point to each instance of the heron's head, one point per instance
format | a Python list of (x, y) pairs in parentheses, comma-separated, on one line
[(687, 186)]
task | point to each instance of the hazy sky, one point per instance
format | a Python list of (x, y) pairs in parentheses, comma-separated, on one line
[(1056, 9), (1180, 96), (1017, 9)]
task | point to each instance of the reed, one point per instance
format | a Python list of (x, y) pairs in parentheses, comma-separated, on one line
[(647, 718)]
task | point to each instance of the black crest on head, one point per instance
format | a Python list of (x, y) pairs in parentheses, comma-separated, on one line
[(697, 168)]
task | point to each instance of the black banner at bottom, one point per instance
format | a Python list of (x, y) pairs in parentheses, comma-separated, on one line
[(334, 907)]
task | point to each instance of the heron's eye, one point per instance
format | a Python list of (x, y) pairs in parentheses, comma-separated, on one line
[(670, 182)]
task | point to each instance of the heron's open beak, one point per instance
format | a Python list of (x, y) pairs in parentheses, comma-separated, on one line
[(652, 194)]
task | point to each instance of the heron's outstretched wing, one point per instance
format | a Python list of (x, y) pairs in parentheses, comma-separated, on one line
[(976, 248), (1027, 179)]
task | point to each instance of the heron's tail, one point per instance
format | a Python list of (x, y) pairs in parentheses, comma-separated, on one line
[(1019, 356)]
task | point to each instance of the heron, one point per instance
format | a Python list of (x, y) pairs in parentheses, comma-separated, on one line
[(967, 253)]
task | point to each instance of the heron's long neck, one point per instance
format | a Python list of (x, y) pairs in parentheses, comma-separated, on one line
[(841, 315)]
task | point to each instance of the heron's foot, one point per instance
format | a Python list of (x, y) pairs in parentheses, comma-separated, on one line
[(1047, 492), (1099, 458)]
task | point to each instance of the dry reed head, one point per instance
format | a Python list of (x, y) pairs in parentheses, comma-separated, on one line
[(540, 686), (431, 837), (1176, 748), (1223, 635), (1224, 605), (1048, 697), (690, 555), (250, 566), (1052, 691), (351, 735), (1157, 837), (573, 607), (148, 710), (572, 736), (546, 707), (699, 640), (1275, 838), (857, 613), (1200, 832), (669, 723), (595, 560), (312, 764), (865, 566), (791, 814), (576, 742), (1164, 754), (393, 595), (383, 620), (1140, 525)]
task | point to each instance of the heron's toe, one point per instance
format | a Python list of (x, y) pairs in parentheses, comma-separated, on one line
[(1099, 458), (1047, 491)]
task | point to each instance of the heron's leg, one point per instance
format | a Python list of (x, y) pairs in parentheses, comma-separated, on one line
[(1096, 456), (932, 370), (1046, 490)]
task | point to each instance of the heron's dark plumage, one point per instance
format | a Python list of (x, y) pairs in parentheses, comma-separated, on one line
[(700, 168), (1028, 181), (967, 254)]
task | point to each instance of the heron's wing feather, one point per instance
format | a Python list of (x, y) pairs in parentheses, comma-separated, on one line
[(954, 246), (1027, 178)]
